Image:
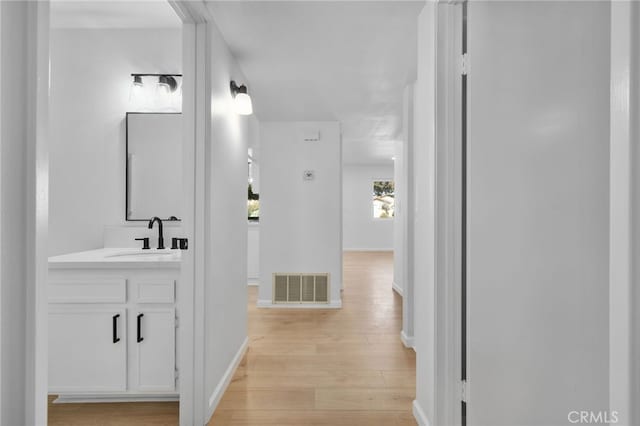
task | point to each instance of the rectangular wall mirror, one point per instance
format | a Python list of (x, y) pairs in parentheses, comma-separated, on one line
[(153, 165)]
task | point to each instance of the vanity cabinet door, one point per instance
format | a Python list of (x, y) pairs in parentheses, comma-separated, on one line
[(154, 344), (87, 349)]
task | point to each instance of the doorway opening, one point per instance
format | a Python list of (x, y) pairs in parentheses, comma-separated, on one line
[(116, 161)]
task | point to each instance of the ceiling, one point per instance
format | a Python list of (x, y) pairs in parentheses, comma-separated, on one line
[(344, 60), (90, 14)]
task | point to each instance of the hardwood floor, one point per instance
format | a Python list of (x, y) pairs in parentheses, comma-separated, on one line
[(116, 414), (342, 367)]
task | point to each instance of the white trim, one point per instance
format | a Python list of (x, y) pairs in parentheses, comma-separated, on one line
[(623, 193), (419, 415), (397, 289), (1, 215), (407, 341), (203, 136), (37, 212), (186, 288), (407, 211), (437, 228), (369, 249), (191, 11), (446, 84), (267, 303), (253, 282), (195, 111), (84, 398), (217, 393)]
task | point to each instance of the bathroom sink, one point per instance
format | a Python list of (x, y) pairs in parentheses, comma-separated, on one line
[(143, 254)]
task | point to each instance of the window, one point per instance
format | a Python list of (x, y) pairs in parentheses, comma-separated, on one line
[(253, 205), (253, 199), (383, 199)]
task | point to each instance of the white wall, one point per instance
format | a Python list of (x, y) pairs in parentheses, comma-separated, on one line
[(360, 230), (403, 230), (23, 201), (300, 221), (90, 82), (253, 242), (538, 216), (424, 216), (400, 220), (225, 216), (13, 155), (253, 253)]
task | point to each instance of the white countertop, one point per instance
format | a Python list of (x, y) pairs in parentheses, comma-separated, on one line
[(115, 258)]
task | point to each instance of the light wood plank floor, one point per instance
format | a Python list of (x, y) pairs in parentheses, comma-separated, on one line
[(305, 367), (342, 367)]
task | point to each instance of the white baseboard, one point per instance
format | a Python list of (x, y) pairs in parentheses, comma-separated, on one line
[(407, 341), (253, 282), (80, 399), (397, 289), (386, 249), (267, 303), (419, 415), (216, 396)]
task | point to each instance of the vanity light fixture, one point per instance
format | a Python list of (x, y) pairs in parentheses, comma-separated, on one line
[(242, 101), (136, 88), (155, 92), (167, 81)]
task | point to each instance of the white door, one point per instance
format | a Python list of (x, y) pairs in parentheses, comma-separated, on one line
[(87, 349), (537, 176), (154, 344)]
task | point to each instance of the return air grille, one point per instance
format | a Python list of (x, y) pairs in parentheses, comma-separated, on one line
[(300, 288)]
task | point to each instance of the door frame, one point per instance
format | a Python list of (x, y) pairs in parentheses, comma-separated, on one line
[(624, 340), (37, 212), (195, 16), (437, 120), (448, 217), (624, 235), (448, 212)]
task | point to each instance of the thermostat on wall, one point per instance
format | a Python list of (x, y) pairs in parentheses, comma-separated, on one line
[(311, 136), (309, 175)]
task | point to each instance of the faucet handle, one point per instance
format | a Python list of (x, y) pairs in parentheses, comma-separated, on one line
[(179, 243), (145, 243)]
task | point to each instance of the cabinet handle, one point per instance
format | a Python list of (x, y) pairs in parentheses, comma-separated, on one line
[(140, 338), (116, 339)]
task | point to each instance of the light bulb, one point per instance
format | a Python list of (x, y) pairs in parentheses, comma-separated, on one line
[(242, 104), (136, 92)]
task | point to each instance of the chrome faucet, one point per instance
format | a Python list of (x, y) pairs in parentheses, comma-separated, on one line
[(160, 236)]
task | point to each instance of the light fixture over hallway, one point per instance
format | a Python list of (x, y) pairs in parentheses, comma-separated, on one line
[(242, 101)]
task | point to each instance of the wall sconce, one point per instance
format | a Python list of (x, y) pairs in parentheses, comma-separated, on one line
[(156, 92), (242, 101)]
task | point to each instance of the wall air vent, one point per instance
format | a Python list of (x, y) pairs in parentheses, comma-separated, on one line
[(300, 288)]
